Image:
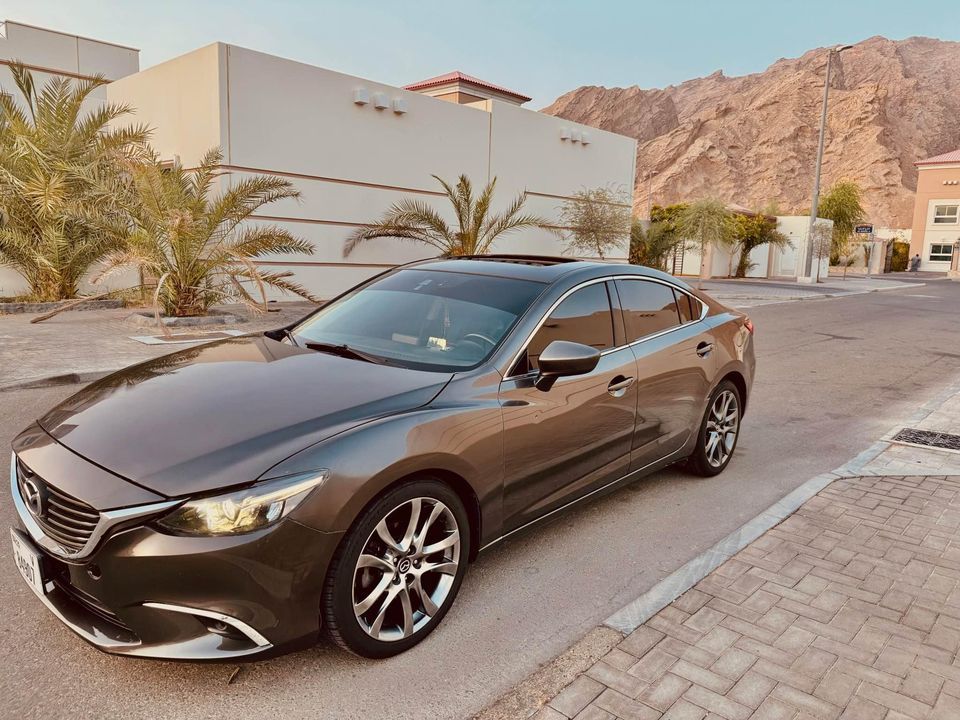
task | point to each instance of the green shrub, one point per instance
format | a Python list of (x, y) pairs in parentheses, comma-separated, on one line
[(901, 257)]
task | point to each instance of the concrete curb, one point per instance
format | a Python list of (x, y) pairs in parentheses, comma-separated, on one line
[(774, 300)]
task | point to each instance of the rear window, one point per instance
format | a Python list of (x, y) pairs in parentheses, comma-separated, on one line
[(690, 308), (648, 308)]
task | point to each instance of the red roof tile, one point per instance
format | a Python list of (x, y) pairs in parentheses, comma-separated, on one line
[(457, 76), (950, 157)]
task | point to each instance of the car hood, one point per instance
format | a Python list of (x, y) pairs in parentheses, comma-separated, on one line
[(224, 413)]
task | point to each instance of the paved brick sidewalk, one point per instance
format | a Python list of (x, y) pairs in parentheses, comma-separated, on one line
[(909, 459), (850, 609)]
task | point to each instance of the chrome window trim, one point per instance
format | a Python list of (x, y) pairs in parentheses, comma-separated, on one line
[(108, 519), (594, 281)]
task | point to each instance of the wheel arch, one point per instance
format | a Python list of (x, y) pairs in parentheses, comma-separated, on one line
[(737, 378), (451, 479)]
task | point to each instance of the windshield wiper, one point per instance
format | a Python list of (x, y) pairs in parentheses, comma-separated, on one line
[(345, 351)]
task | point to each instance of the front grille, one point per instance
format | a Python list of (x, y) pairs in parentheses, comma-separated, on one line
[(59, 573), (65, 519)]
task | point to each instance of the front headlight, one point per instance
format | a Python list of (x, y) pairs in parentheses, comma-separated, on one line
[(242, 511)]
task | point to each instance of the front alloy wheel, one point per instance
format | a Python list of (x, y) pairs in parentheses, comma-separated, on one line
[(406, 557)]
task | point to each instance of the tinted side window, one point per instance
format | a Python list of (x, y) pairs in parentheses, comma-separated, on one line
[(690, 308), (584, 317), (648, 308), (683, 305)]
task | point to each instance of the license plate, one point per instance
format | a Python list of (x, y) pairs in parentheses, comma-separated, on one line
[(28, 562)]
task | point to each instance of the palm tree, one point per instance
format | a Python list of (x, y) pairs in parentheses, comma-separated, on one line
[(653, 246), (59, 167), (476, 227), (706, 222), (842, 203), (199, 247), (751, 232)]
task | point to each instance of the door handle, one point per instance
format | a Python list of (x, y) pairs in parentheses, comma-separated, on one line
[(704, 349), (618, 386)]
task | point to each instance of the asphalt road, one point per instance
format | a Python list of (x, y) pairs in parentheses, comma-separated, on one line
[(833, 376)]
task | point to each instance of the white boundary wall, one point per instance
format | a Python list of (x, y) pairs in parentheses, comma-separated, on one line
[(351, 162)]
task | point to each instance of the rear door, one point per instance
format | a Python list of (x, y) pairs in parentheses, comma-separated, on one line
[(675, 366), (560, 444)]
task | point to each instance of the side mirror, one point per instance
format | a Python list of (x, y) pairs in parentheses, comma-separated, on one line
[(563, 359)]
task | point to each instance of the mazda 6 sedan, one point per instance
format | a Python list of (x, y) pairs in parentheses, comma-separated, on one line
[(236, 499)]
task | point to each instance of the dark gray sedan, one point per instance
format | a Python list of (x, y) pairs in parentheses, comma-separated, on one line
[(234, 500)]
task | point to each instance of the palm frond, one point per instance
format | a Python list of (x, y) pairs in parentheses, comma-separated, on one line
[(510, 220), (407, 220), (61, 163)]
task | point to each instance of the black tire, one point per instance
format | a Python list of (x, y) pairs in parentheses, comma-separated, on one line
[(342, 624), (700, 462)]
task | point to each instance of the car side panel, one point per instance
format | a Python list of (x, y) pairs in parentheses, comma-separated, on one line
[(733, 346), (674, 382), (460, 435), (564, 442)]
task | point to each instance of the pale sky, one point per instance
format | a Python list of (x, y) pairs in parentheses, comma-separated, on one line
[(542, 48)]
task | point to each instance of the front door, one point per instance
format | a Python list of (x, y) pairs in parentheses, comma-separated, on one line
[(575, 437)]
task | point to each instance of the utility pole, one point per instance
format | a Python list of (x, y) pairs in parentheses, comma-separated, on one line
[(648, 178), (814, 205)]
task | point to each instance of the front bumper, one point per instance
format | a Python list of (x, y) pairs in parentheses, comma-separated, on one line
[(147, 594)]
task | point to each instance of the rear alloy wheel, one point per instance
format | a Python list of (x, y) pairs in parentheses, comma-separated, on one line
[(719, 432), (399, 570)]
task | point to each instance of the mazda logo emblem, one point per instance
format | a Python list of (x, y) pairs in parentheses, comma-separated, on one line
[(404, 565), (31, 495)]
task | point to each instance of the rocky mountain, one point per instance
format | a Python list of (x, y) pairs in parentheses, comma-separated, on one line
[(750, 140)]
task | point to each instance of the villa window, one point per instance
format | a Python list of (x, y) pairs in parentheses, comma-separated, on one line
[(941, 252), (945, 214)]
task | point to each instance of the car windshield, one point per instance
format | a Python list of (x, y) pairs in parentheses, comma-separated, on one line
[(423, 319)]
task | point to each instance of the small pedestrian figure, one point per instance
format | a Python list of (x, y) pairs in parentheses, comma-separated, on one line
[(915, 263)]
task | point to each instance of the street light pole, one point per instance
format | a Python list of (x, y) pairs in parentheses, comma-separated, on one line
[(815, 203), (649, 179)]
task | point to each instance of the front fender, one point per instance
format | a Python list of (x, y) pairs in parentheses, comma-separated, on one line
[(450, 439)]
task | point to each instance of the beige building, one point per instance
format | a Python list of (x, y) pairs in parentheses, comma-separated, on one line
[(352, 146), (463, 89), (936, 211), (48, 53)]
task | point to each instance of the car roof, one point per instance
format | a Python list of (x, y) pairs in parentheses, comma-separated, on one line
[(538, 268)]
